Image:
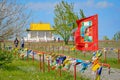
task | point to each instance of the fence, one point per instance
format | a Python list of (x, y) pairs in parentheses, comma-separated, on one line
[(111, 48)]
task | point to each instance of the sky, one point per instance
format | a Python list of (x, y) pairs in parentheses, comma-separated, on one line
[(108, 13)]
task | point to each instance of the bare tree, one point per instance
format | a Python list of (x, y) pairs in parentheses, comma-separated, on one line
[(13, 18)]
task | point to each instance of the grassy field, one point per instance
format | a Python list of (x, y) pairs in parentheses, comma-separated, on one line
[(27, 70), (60, 48)]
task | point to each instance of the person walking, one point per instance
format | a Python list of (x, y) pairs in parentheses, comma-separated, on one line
[(22, 42), (16, 42)]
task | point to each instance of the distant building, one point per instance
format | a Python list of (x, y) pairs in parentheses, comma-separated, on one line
[(39, 32)]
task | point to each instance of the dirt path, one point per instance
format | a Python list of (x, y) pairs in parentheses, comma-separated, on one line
[(114, 73)]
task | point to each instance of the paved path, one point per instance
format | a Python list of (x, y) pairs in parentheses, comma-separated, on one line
[(114, 73)]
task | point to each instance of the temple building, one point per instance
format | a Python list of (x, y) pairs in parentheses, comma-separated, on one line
[(39, 32)]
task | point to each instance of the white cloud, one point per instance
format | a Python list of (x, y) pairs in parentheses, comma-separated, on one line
[(103, 4), (47, 6), (93, 4)]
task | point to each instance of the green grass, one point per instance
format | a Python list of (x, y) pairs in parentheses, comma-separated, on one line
[(27, 70), (112, 61), (44, 46)]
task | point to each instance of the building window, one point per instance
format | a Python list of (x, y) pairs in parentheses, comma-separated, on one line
[(33, 34), (41, 34), (48, 34)]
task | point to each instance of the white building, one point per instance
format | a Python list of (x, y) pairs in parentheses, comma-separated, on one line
[(39, 32)]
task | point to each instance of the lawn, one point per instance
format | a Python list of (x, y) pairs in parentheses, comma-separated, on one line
[(56, 47), (29, 70)]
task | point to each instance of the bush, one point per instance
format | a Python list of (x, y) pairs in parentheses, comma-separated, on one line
[(5, 57)]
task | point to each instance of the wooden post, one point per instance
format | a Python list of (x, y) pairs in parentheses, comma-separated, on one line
[(22, 57), (18, 55), (53, 48), (58, 49), (105, 57), (40, 62), (76, 53), (84, 52), (118, 55), (43, 63), (46, 49), (27, 56), (48, 65), (15, 54), (33, 57), (39, 46), (69, 50), (60, 69), (29, 45), (63, 49), (43, 48), (75, 72), (49, 48)]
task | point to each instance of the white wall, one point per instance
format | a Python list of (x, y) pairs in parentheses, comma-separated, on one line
[(39, 36)]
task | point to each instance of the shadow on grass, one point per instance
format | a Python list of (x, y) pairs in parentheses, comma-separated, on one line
[(9, 67), (19, 66)]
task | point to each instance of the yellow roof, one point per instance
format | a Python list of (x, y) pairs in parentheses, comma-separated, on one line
[(40, 26)]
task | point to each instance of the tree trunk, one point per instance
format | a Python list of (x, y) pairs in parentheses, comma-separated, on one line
[(66, 41), (73, 39), (0, 45)]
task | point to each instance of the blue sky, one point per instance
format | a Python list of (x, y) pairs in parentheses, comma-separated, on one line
[(108, 12)]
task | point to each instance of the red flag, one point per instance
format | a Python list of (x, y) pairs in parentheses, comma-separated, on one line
[(86, 35)]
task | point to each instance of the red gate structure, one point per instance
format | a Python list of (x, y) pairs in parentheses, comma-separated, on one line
[(86, 35)]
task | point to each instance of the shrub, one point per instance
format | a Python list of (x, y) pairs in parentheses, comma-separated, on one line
[(5, 57)]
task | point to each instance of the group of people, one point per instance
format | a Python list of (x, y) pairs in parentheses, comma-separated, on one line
[(58, 39), (16, 42)]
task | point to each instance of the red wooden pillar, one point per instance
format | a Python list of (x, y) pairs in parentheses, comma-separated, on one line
[(48, 65), (118, 55), (40, 67), (43, 63), (75, 72)]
